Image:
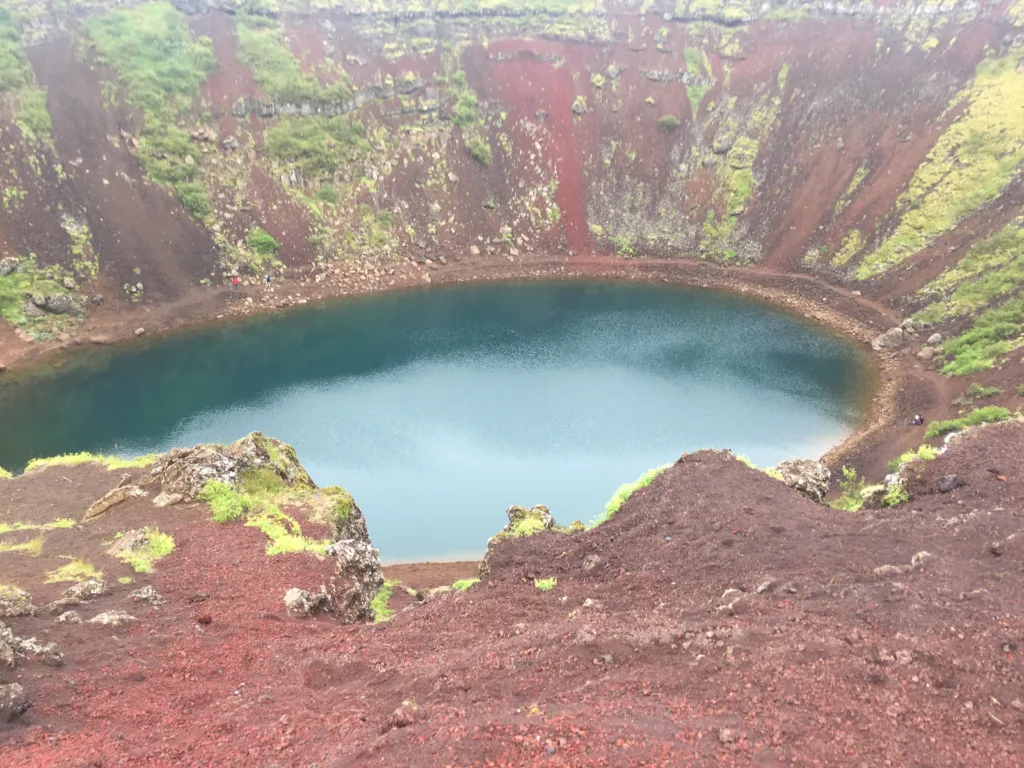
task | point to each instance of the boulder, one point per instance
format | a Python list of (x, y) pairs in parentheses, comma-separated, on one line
[(811, 478), (146, 594), (69, 617), (301, 603), (87, 590), (58, 304), (8, 264), (11, 646), (873, 496), (926, 353), (15, 602), (934, 339), (111, 498), (947, 483), (30, 309), (7, 660), (186, 471), (13, 702), (113, 619), (357, 579), (168, 499), (891, 339)]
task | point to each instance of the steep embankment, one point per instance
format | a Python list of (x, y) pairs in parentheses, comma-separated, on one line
[(155, 150), (717, 617)]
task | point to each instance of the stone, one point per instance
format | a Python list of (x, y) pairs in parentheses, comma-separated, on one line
[(7, 660), (404, 716), (230, 143), (935, 338), (168, 499), (357, 579), (112, 498), (885, 571), (922, 558), (58, 304), (186, 471), (113, 619), (726, 736), (947, 483), (8, 264), (140, 331), (592, 563), (147, 594), (69, 283), (39, 300), (926, 353), (474, 251), (29, 309), (810, 478), (97, 299), (891, 339), (13, 702), (873, 496), (301, 603), (87, 590), (69, 617), (433, 593), (15, 602)]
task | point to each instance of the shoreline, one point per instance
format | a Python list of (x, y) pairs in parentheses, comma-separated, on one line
[(855, 318)]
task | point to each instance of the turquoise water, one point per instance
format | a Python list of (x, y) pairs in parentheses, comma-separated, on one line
[(439, 408)]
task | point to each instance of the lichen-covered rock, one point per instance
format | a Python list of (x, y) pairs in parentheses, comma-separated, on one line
[(113, 619), (186, 471), (8, 264), (167, 499), (12, 646), (87, 590), (58, 304), (111, 498), (147, 594), (522, 521), (15, 602), (301, 603), (811, 478), (357, 578), (13, 702), (891, 339), (69, 617)]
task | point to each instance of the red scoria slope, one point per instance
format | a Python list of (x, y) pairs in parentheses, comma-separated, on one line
[(643, 657)]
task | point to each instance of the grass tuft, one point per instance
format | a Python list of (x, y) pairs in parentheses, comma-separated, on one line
[(75, 570), (462, 585), (990, 414), (623, 492), (33, 547), (380, 603), (110, 462), (546, 585), (158, 545)]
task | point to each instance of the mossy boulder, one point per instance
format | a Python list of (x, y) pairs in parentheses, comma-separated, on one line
[(523, 522)]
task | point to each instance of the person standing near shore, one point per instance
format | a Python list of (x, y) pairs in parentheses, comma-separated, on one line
[(234, 282), (268, 281)]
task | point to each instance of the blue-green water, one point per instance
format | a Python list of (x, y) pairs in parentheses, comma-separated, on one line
[(439, 408)]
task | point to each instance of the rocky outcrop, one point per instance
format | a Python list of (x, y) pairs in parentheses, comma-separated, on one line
[(113, 619), (891, 339), (811, 478), (301, 603), (112, 498), (522, 521), (186, 471), (13, 702), (357, 579), (15, 602), (12, 646)]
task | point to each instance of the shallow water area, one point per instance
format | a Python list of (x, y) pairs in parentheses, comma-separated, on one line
[(439, 408)]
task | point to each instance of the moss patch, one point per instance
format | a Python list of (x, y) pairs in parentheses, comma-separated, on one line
[(141, 559), (380, 603), (62, 522), (988, 415), (625, 491), (75, 570), (970, 165), (110, 462), (994, 334), (463, 585), (33, 547), (545, 585)]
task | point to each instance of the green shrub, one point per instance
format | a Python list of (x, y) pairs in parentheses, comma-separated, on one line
[(193, 198), (545, 585), (852, 497), (668, 123), (158, 545), (262, 243), (381, 610), (464, 111), (464, 584), (1020, 390), (479, 149), (225, 504), (988, 415), (976, 391), (328, 195), (895, 495)]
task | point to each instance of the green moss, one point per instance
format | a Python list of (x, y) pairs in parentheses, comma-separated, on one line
[(60, 523), (75, 570), (923, 453), (858, 178), (26, 101), (261, 243), (161, 67), (276, 70), (110, 462), (988, 415), (626, 490), (545, 585), (316, 147), (33, 547), (158, 545), (193, 198), (380, 602), (852, 243), (970, 164), (994, 333), (462, 585), (224, 502), (27, 279), (125, 580), (991, 269)]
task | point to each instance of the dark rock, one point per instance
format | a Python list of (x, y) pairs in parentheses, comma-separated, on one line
[(58, 304), (947, 483), (13, 702), (592, 563), (97, 299), (32, 310)]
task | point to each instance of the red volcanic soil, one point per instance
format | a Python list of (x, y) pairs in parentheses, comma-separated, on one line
[(718, 619)]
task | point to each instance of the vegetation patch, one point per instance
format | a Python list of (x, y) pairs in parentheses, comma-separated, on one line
[(852, 497), (161, 67), (27, 280), (33, 547), (990, 414), (5, 474), (479, 149), (625, 491), (18, 89), (110, 462), (923, 453), (74, 570), (546, 585), (698, 67), (380, 603), (668, 123), (63, 522), (995, 333), (315, 147), (463, 585), (152, 545), (970, 164)]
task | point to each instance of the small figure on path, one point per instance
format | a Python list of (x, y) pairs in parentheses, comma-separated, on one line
[(917, 421), (268, 280), (234, 282)]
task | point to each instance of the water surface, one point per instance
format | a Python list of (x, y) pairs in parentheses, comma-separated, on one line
[(439, 408)]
